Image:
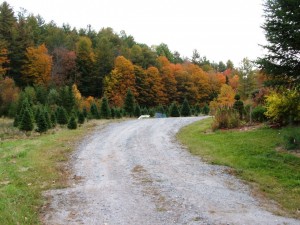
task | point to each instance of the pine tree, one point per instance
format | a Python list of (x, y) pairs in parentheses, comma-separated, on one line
[(205, 109), (185, 110), (72, 123), (129, 103), (62, 116), (42, 125), (94, 111), (137, 110), (105, 111), (48, 119), (53, 120), (174, 112), (113, 113), (81, 118), (118, 113), (26, 123)]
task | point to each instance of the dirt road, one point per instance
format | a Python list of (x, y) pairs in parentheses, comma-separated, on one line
[(135, 172)]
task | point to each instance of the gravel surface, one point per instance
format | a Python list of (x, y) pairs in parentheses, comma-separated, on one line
[(134, 172)]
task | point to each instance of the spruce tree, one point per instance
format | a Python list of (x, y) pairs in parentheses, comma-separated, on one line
[(118, 113), (113, 113), (105, 110), (205, 109), (62, 116), (174, 112), (42, 125), (81, 118), (129, 103), (72, 123), (26, 122), (48, 119), (185, 110), (197, 110), (94, 111), (137, 110), (53, 119)]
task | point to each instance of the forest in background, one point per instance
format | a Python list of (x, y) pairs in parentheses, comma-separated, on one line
[(52, 67)]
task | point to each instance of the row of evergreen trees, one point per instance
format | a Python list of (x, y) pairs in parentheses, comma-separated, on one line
[(41, 114)]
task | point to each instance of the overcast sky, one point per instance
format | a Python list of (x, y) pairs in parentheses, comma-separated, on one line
[(218, 29)]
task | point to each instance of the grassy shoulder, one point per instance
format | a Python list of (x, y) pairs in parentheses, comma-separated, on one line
[(254, 157), (30, 165)]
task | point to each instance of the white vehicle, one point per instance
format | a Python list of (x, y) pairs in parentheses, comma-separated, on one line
[(144, 116)]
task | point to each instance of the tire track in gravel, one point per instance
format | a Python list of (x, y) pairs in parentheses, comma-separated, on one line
[(135, 173)]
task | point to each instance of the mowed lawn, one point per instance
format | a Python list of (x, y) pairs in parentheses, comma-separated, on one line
[(30, 165), (255, 156)]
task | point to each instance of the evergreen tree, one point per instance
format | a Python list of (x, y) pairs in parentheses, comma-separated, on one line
[(137, 110), (197, 110), (205, 109), (144, 111), (105, 110), (238, 105), (94, 111), (174, 112), (48, 119), (16, 120), (42, 125), (113, 113), (84, 111), (53, 120), (26, 123), (185, 110), (118, 113), (129, 103), (81, 118), (282, 25), (62, 116), (72, 124)]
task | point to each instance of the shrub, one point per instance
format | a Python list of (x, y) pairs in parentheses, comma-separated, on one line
[(62, 116), (72, 123), (226, 118), (174, 112), (291, 139), (283, 107), (185, 110), (81, 118), (205, 109), (258, 114)]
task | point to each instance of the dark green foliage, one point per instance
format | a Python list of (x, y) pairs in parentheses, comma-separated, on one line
[(118, 113), (53, 120), (41, 94), (81, 118), (48, 119), (239, 106), (291, 138), (94, 111), (151, 112), (174, 112), (137, 110), (282, 25), (26, 122), (185, 110), (205, 109), (84, 111), (105, 111), (62, 116), (129, 103), (72, 124), (16, 121), (67, 99), (144, 111), (42, 125), (197, 110), (113, 113), (258, 114)]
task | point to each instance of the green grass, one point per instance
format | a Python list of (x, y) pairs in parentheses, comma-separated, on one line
[(253, 156), (30, 165)]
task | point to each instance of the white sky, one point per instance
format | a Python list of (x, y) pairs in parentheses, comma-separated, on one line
[(218, 29)]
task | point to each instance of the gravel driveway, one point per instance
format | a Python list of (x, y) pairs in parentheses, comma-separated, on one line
[(134, 173)]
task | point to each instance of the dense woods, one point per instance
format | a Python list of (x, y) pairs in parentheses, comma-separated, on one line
[(84, 72)]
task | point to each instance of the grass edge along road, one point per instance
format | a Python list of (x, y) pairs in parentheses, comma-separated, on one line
[(253, 157), (31, 165)]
